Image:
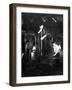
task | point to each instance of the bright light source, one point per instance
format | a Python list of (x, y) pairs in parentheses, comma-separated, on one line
[(34, 48), (41, 27), (32, 55), (57, 48)]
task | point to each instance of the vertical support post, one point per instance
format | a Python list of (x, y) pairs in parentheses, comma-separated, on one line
[(35, 40), (41, 44), (40, 31)]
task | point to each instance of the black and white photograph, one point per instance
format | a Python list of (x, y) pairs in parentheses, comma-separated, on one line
[(42, 44)]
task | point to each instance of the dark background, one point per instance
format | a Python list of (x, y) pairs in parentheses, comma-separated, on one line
[(42, 65), (32, 21)]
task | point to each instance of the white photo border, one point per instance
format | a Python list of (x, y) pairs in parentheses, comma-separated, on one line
[(39, 79)]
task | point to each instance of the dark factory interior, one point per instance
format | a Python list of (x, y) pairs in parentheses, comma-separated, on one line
[(41, 44)]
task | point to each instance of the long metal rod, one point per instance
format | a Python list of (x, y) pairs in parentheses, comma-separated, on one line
[(41, 44)]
